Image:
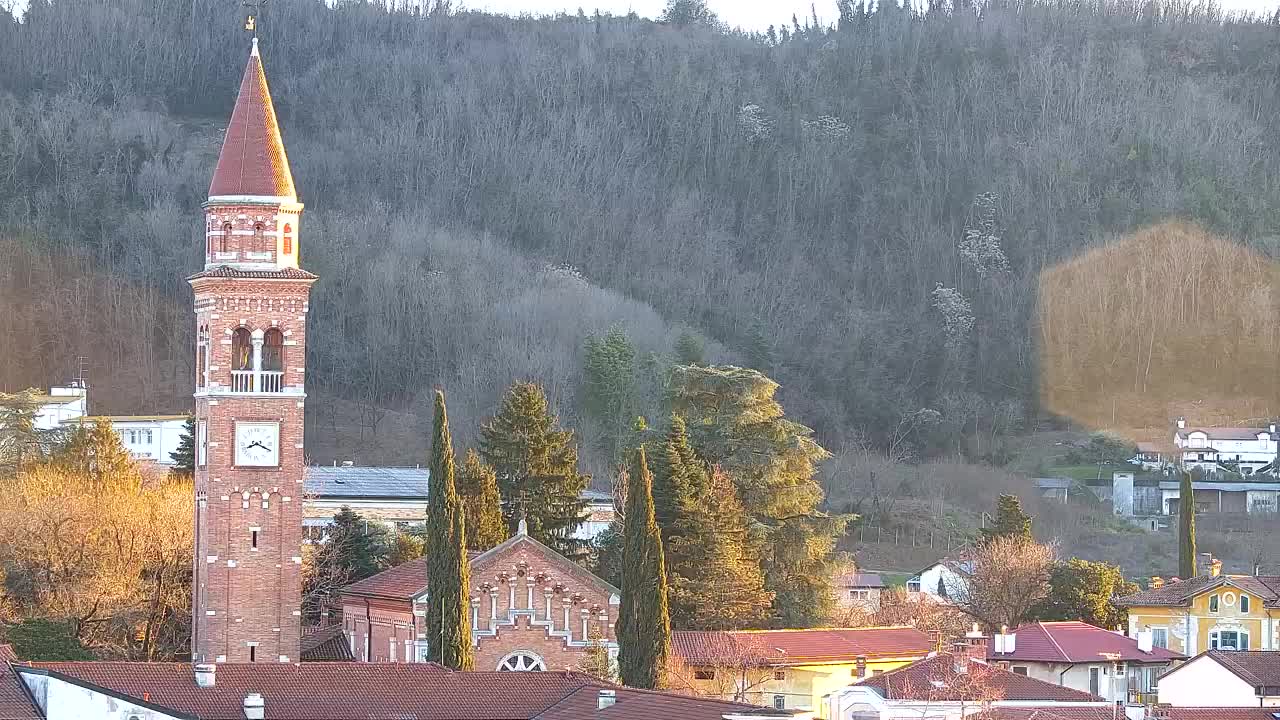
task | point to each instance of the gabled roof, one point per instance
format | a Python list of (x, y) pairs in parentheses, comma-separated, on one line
[(1076, 642), (861, 580), (408, 581), (252, 163), (1226, 433), (937, 679), (325, 644), (369, 691), (1181, 593), (15, 702), (1259, 668), (797, 647)]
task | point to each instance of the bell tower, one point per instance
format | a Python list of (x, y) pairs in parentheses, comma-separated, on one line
[(251, 325)]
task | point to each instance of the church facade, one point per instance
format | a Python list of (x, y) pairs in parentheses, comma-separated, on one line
[(250, 309), (531, 609)]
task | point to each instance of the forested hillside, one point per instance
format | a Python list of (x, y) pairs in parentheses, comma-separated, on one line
[(861, 212)]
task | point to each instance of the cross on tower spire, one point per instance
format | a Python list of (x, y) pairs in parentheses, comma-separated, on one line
[(251, 19)]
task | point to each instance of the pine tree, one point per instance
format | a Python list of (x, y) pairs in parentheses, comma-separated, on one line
[(20, 442), (679, 483), (644, 626), (1186, 528), (735, 423), (355, 546), (609, 386), (448, 585), (1010, 520), (481, 503), (95, 451), (689, 349), (537, 467), (184, 458)]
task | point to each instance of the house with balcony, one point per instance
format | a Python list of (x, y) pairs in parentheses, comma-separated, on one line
[(1243, 450)]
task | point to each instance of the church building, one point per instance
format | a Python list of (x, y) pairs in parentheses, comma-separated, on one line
[(251, 319)]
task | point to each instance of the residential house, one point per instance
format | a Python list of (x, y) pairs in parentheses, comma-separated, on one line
[(1239, 449), (398, 496), (859, 590), (1085, 657), (1209, 612), (328, 691), (148, 438), (531, 609), (61, 405), (952, 686), (942, 581), (789, 669), (1225, 678)]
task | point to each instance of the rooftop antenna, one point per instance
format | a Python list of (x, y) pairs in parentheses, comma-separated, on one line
[(81, 362)]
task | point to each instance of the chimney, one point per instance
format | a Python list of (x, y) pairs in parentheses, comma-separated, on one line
[(1144, 641), (1135, 712), (1204, 561), (860, 666), (205, 674), (1215, 567), (1271, 428), (960, 658), (1182, 423), (254, 707), (1156, 583), (975, 644), (606, 699)]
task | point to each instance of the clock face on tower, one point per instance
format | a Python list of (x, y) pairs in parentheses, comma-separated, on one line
[(257, 444)]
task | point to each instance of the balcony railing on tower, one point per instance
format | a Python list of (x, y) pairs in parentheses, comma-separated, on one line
[(257, 381)]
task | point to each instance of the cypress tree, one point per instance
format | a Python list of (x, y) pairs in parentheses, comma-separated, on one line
[(481, 503), (448, 585), (537, 467), (644, 626), (1186, 528)]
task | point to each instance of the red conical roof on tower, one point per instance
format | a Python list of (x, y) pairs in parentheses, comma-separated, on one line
[(253, 162)]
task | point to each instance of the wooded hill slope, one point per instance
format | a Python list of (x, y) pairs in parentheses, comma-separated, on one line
[(861, 213)]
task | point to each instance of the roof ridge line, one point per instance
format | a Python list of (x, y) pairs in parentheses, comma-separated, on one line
[(1056, 646)]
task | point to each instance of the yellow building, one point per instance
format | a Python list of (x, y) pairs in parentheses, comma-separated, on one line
[(1207, 612), (789, 669)]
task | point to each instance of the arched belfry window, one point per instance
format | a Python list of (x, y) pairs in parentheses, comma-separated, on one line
[(273, 351), (241, 349), (225, 238), (287, 242), (259, 242)]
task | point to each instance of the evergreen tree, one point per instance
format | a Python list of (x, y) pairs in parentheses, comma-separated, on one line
[(1010, 520), (688, 12), (1084, 590), (448, 584), (537, 467), (736, 423), (609, 392), (1186, 528), (481, 503), (689, 349), (95, 451), (20, 442), (356, 546), (644, 626), (679, 483), (184, 458)]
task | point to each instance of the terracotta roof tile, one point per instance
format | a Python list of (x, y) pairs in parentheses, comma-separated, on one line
[(325, 644), (936, 679), (402, 582), (225, 271), (797, 647), (253, 161), (375, 691), (15, 703), (1179, 594), (1076, 642), (1259, 668)]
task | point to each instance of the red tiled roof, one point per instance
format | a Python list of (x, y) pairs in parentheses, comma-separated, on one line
[(1179, 594), (936, 679), (321, 644), (797, 647), (15, 703), (375, 691), (253, 161), (224, 271), (1106, 713), (1076, 642)]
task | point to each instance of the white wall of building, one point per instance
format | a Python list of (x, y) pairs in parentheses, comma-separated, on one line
[(62, 700), (1203, 682), (67, 404), (152, 438)]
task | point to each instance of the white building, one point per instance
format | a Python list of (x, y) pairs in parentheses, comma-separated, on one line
[(149, 438), (942, 581), (61, 405), (1219, 448), (1224, 678)]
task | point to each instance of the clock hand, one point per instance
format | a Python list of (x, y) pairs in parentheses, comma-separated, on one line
[(259, 444)]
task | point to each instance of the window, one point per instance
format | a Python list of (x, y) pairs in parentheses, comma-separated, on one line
[(253, 653), (1160, 637), (241, 349), (1095, 680), (704, 674), (287, 242), (522, 661), (779, 702), (273, 350), (202, 443), (779, 674), (913, 585), (1228, 640), (253, 539), (859, 595), (1020, 670), (226, 236), (258, 242), (144, 436), (1244, 603), (1213, 603)]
